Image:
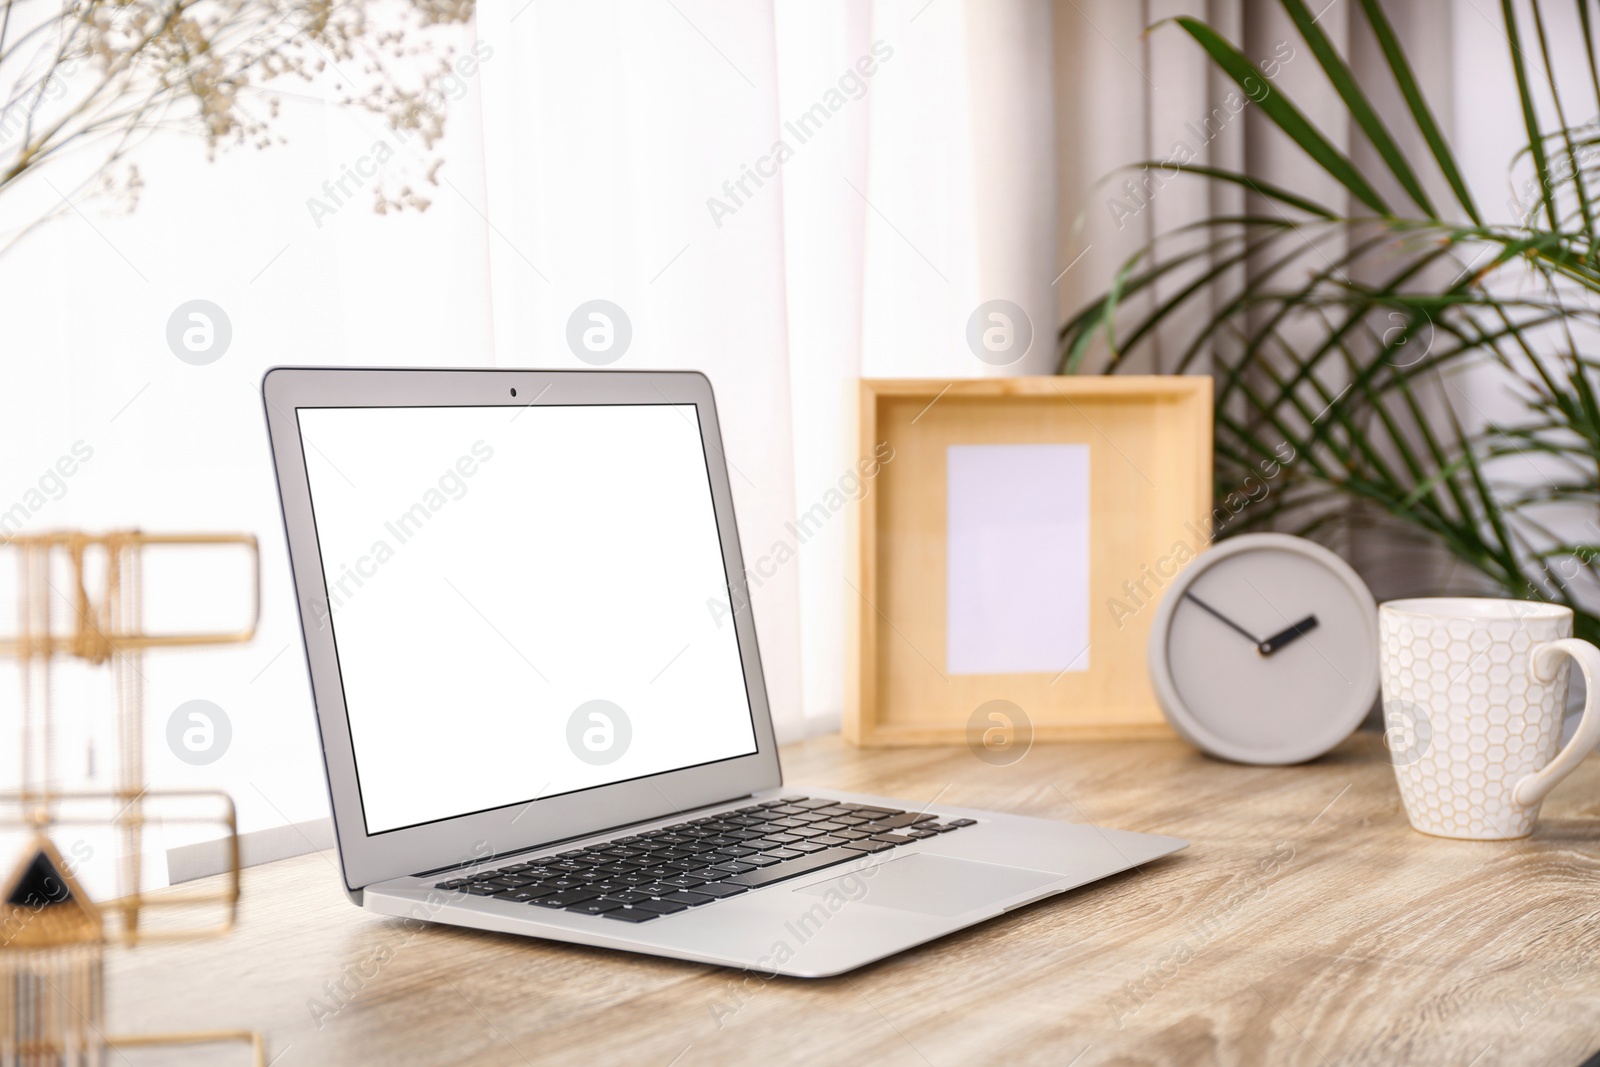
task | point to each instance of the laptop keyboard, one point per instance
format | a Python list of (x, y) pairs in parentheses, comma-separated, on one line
[(641, 877)]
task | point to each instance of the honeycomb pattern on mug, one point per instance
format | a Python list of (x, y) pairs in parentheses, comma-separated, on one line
[(1467, 720)]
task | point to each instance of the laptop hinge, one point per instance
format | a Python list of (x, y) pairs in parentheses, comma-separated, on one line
[(575, 837)]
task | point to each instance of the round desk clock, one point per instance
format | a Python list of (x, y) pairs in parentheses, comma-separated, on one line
[(1265, 650)]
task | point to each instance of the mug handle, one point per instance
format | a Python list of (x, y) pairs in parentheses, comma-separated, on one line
[(1542, 665)]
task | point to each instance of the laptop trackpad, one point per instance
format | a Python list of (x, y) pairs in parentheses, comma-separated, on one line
[(932, 885)]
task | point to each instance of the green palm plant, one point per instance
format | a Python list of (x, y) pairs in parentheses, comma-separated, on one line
[(1336, 335)]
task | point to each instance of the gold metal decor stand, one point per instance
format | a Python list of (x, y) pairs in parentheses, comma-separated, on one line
[(52, 935)]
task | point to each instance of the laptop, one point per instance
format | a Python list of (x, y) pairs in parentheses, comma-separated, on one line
[(540, 696)]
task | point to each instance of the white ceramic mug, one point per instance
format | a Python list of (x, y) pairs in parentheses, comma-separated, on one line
[(1473, 697)]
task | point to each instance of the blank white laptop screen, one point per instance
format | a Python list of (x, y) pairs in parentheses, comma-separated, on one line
[(525, 601)]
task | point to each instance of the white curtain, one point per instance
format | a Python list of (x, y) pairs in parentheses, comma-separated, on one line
[(786, 196), (622, 151), (85, 302)]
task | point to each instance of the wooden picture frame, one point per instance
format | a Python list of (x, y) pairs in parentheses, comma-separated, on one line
[(1149, 491)]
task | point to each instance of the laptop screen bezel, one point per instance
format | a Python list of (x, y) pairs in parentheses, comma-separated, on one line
[(368, 858)]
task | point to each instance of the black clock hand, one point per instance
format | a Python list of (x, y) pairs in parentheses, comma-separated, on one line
[(1284, 637), (1229, 623)]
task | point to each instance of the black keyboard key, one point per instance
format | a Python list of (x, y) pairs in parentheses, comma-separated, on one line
[(694, 900), (811, 804), (660, 907), (566, 898), (693, 863), (760, 859), (684, 881), (722, 889), (829, 842), (632, 915), (779, 872), (772, 803), (596, 907), (522, 896), (779, 854), (869, 845), (656, 889), (780, 839), (893, 839), (736, 851), (628, 896), (963, 822), (893, 822), (564, 882), (710, 874), (806, 847), (850, 835), (483, 889)]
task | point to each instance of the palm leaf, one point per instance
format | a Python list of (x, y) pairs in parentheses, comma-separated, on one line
[(1350, 376)]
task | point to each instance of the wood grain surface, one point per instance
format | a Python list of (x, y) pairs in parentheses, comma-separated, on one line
[(1306, 924)]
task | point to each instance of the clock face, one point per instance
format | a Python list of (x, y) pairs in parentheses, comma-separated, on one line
[(1270, 652)]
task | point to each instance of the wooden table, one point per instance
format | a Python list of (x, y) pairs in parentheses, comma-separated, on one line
[(1306, 924)]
